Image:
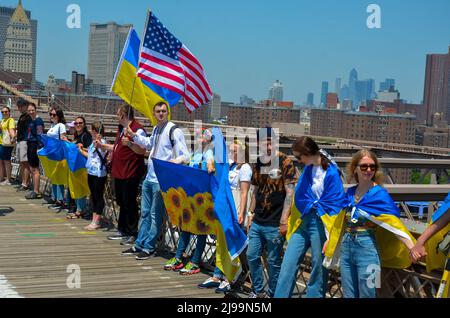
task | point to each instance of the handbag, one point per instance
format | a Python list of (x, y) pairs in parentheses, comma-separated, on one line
[(7, 141), (444, 246)]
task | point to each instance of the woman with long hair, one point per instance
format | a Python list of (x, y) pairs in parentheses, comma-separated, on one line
[(319, 196), (371, 234), (7, 140), (97, 175), (83, 139)]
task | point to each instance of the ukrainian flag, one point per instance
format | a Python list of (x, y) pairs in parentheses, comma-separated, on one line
[(435, 259), (378, 207), (140, 94), (203, 204), (64, 165)]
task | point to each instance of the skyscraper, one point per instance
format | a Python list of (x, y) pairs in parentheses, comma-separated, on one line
[(276, 92), (387, 85), (352, 87), (323, 99), (338, 86), (310, 99), (437, 86), (18, 39), (106, 42), (216, 107)]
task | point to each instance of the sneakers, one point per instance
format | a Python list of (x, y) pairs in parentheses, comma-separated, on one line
[(6, 183), (143, 256), (209, 283), (224, 287), (190, 269), (33, 196), (56, 207), (23, 189), (132, 251), (173, 265), (128, 241), (117, 237), (260, 295)]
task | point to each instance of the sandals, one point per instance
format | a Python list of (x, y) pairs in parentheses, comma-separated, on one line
[(74, 216)]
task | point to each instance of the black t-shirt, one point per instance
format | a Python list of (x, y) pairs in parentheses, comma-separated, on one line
[(22, 127), (85, 139), (271, 191)]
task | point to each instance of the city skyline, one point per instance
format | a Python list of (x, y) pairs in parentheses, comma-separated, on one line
[(231, 45)]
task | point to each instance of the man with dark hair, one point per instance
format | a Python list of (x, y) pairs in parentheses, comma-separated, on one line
[(21, 147), (128, 167), (274, 179)]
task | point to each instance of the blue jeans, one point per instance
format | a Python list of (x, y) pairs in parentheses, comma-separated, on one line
[(260, 238), (360, 266), (81, 204), (58, 192), (152, 210), (311, 233), (218, 274), (183, 244)]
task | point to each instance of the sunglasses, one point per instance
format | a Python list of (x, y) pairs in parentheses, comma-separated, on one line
[(5, 112), (79, 124), (53, 115), (366, 167)]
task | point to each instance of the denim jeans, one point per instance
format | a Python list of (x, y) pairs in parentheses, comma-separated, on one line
[(152, 209), (360, 266), (264, 237), (183, 244), (311, 233), (58, 192), (81, 204)]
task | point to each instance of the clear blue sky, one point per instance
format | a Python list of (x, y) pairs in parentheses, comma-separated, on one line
[(245, 45)]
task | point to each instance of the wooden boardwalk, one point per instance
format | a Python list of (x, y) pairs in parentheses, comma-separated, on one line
[(37, 247)]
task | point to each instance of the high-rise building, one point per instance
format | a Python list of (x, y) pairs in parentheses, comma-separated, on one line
[(18, 41), (345, 93), (323, 98), (332, 101), (276, 92), (216, 106), (387, 85), (338, 86), (310, 99), (437, 86), (352, 87), (106, 42), (246, 101)]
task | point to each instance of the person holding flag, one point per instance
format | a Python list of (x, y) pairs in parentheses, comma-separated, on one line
[(369, 232), (319, 198)]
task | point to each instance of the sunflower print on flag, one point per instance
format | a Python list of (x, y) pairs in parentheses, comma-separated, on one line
[(191, 214)]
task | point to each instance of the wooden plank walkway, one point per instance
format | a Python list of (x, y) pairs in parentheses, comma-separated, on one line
[(37, 246)]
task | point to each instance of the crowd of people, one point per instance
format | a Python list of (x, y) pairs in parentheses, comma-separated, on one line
[(264, 195)]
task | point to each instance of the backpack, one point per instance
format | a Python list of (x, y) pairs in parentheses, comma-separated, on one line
[(172, 140)]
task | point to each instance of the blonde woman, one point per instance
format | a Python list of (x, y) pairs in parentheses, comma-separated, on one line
[(7, 140)]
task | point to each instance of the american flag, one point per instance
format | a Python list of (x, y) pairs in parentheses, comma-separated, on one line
[(168, 63)]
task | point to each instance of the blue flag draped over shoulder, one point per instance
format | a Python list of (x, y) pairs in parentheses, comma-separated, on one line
[(436, 259), (378, 207), (137, 92), (64, 165), (328, 206), (201, 204)]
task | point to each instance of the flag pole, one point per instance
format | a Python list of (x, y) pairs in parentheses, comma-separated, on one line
[(140, 50)]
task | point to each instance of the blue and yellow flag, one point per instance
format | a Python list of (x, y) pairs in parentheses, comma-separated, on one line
[(203, 204), (378, 207), (435, 259), (140, 94), (64, 165), (328, 206)]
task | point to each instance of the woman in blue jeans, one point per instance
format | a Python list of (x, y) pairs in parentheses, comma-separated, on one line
[(319, 196), (371, 216)]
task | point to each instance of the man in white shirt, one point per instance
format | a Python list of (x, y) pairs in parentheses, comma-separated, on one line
[(166, 143)]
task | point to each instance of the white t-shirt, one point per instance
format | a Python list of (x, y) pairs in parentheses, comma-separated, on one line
[(318, 175), (56, 131), (244, 174)]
